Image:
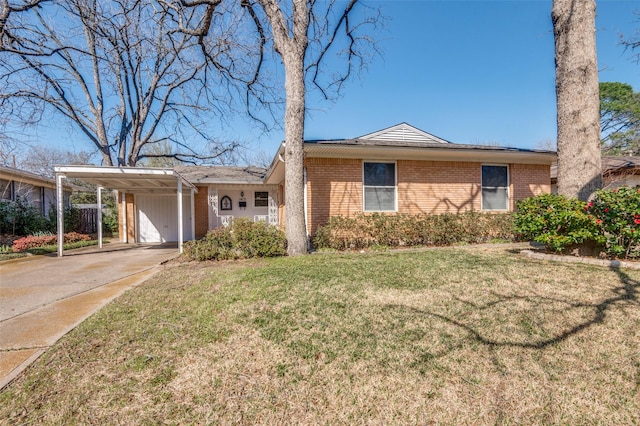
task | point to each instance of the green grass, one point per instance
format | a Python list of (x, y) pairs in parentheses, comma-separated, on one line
[(9, 256), (454, 336)]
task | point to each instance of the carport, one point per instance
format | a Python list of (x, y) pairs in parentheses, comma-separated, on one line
[(146, 183)]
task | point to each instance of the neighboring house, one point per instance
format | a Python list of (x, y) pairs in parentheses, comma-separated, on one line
[(400, 169), (616, 172), (35, 190)]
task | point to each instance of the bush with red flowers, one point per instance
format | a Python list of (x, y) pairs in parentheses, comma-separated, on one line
[(609, 222), (617, 213), (46, 239)]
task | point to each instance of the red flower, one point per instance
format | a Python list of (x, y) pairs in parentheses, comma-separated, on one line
[(636, 221), (598, 221), (606, 210)]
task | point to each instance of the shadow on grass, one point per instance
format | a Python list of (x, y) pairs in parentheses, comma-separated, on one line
[(627, 292)]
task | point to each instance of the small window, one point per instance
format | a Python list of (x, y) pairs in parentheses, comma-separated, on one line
[(261, 199), (495, 188), (379, 184)]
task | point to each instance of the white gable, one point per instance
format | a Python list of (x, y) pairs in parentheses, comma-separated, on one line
[(403, 132)]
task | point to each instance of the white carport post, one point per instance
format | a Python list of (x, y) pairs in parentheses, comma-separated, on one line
[(125, 231), (180, 230), (100, 217), (60, 211)]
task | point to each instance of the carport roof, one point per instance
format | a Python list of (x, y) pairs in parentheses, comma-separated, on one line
[(144, 180)]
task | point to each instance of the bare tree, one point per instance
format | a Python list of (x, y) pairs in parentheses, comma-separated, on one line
[(121, 72), (41, 159), (8, 8), (303, 33), (633, 42), (579, 168)]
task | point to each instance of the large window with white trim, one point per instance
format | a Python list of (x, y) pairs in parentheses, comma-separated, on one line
[(495, 187), (379, 184)]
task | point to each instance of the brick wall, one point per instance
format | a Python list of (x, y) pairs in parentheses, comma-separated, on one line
[(201, 211), (334, 186), (528, 180), (436, 187)]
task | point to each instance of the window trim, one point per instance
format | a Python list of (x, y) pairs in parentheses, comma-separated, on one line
[(255, 198), (507, 187), (395, 187)]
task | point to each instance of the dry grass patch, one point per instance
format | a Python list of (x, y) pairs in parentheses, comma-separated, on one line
[(457, 336)]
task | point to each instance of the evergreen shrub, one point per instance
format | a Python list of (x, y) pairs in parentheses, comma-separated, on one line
[(403, 230), (241, 240)]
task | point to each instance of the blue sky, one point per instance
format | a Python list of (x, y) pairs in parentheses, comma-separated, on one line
[(471, 72), (467, 71)]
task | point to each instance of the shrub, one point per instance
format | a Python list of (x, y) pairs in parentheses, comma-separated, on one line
[(560, 223), (243, 239), (20, 218), (44, 239), (71, 219), (617, 214), (401, 230)]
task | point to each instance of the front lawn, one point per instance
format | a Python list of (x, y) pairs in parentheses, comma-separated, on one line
[(448, 336)]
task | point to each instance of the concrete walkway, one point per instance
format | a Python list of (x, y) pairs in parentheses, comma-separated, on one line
[(44, 297)]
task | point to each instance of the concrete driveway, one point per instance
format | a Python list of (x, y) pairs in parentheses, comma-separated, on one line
[(42, 298)]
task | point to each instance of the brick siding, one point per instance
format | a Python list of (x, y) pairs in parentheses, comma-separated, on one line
[(201, 211), (528, 180), (334, 186)]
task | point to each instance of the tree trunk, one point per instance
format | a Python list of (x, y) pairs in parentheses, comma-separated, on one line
[(294, 153), (579, 169)]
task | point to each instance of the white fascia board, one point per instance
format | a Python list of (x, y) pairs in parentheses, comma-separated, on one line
[(97, 172), (429, 154)]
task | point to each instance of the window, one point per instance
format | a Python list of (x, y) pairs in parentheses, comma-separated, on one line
[(379, 182), (261, 199), (495, 188)]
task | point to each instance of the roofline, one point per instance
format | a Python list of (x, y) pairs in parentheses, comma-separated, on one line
[(115, 171), (434, 152), (35, 178)]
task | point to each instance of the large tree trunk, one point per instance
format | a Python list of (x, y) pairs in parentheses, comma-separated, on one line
[(579, 169), (294, 153)]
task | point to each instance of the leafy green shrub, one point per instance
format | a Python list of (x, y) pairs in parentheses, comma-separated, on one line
[(243, 239), (401, 230), (559, 223), (617, 214), (20, 218)]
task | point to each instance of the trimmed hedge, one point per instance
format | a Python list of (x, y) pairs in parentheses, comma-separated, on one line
[(241, 240), (402, 230)]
